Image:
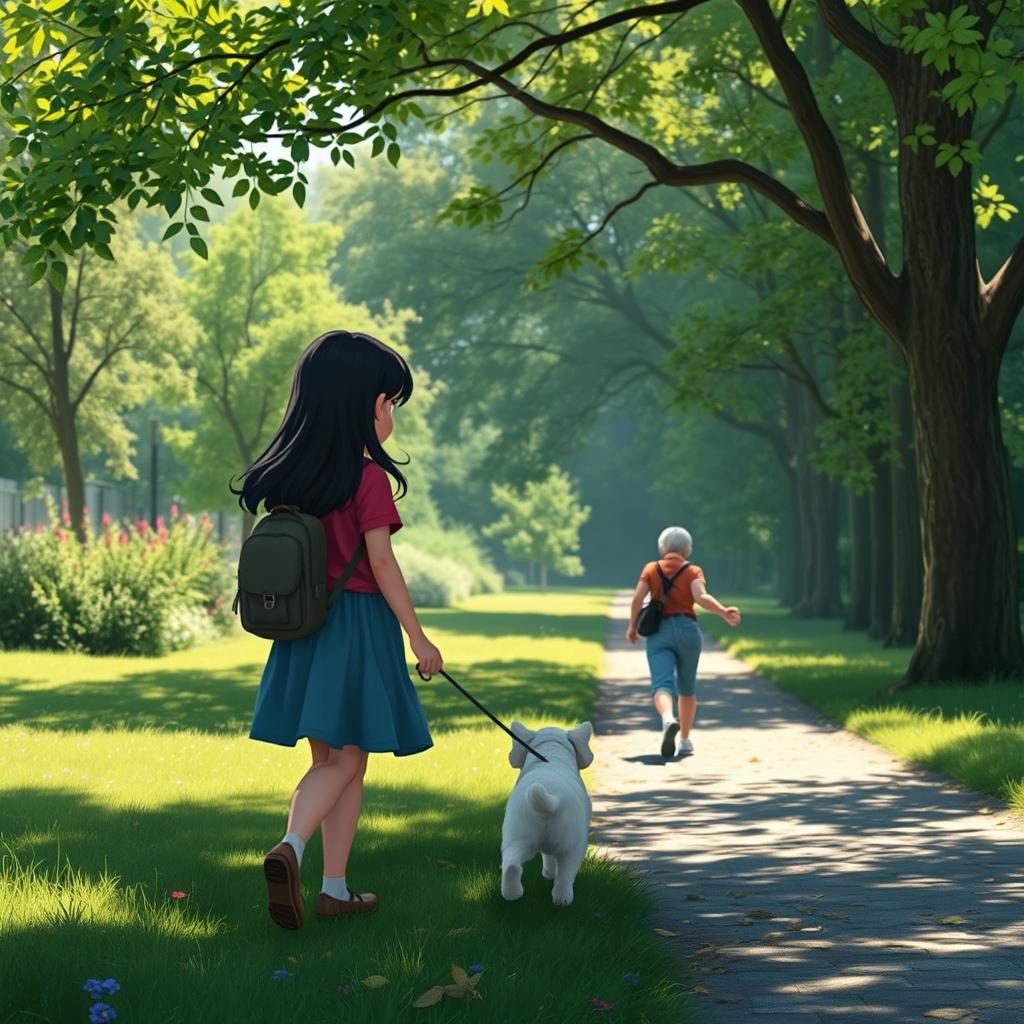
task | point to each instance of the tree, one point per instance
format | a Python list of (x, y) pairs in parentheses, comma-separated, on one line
[(540, 523), (72, 363), (162, 120), (260, 299)]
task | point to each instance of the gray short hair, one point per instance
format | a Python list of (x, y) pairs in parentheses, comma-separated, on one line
[(675, 538)]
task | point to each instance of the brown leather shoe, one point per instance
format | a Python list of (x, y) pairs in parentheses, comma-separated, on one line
[(357, 903), (284, 893)]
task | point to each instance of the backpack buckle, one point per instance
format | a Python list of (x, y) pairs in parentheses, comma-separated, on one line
[(269, 600)]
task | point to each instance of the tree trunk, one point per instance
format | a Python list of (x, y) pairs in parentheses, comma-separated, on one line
[(825, 602), (906, 518), (543, 577), (969, 629), (880, 520), (787, 557), (858, 614), (67, 431)]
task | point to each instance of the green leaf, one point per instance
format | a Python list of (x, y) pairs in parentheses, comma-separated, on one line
[(378, 145), (211, 196), (394, 152), (348, 158), (241, 187), (199, 247), (172, 230), (199, 212), (254, 198), (299, 193)]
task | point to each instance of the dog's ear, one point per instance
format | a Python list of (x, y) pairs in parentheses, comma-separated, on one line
[(517, 755), (580, 739)]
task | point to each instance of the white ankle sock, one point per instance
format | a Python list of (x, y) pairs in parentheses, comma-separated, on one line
[(666, 718), (297, 842), (335, 887)]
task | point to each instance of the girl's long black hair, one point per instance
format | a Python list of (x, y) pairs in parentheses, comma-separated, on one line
[(315, 459)]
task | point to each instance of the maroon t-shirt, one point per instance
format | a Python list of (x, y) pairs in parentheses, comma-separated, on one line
[(371, 506)]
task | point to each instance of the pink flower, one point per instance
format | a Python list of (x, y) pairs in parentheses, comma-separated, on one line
[(105, 519), (174, 510), (141, 525), (40, 528), (178, 894), (160, 522), (60, 534), (162, 532), (123, 539), (600, 1005)]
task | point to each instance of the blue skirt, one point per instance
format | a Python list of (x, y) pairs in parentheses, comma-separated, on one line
[(347, 683)]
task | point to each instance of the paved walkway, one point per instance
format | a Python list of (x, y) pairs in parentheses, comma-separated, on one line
[(806, 871)]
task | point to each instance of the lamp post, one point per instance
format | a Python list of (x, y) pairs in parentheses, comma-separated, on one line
[(154, 426)]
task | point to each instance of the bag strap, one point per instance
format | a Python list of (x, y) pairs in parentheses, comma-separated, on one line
[(666, 584), (349, 569)]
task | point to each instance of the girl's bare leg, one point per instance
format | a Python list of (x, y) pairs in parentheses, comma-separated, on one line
[(663, 702), (317, 791), (338, 828)]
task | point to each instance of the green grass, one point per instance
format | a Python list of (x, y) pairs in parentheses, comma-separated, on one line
[(124, 779), (973, 733)]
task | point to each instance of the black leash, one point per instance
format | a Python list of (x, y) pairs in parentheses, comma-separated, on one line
[(484, 710)]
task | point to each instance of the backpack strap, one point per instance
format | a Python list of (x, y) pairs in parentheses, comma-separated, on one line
[(349, 569), (666, 583)]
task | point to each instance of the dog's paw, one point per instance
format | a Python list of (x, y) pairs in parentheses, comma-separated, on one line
[(512, 882), (550, 867), (561, 899)]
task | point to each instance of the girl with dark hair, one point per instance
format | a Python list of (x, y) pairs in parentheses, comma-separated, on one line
[(345, 688)]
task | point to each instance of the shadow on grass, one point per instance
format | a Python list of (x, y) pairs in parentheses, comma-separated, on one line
[(221, 702), (432, 857)]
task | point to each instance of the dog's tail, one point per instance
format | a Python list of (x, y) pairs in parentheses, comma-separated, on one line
[(541, 801)]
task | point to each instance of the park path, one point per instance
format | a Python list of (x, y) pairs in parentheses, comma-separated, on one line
[(782, 819)]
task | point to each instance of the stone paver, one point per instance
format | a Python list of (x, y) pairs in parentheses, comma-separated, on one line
[(806, 870)]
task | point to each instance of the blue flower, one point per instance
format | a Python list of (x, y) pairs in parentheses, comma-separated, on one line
[(94, 988), (110, 986), (101, 1012), (343, 990), (633, 979), (281, 975), (476, 968)]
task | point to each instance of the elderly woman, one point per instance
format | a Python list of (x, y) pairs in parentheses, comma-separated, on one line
[(673, 652)]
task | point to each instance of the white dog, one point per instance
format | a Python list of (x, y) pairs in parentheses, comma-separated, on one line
[(548, 809)]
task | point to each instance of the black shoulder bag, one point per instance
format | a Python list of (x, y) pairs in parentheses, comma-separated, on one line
[(649, 619)]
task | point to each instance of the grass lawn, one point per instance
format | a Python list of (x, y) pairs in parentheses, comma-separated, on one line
[(126, 779), (973, 733)]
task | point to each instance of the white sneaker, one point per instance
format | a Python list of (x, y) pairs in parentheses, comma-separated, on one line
[(668, 738), (686, 747)]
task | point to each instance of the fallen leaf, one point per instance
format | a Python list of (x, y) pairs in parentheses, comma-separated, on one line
[(459, 976), (430, 997), (666, 933), (736, 894), (700, 990), (745, 921), (817, 895), (806, 910), (375, 981), (753, 759), (763, 915), (458, 931), (795, 926), (694, 897), (836, 916), (953, 919), (773, 936), (455, 991), (952, 1013), (709, 947)]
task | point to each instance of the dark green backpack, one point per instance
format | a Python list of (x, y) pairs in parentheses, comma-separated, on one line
[(282, 575)]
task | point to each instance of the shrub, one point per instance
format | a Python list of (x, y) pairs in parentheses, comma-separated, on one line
[(433, 582), (456, 543), (127, 590)]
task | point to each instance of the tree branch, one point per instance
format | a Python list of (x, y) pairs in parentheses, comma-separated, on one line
[(860, 253), (31, 394), (1003, 296), (859, 39)]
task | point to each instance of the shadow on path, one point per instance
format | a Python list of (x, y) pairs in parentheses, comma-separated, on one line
[(810, 875)]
